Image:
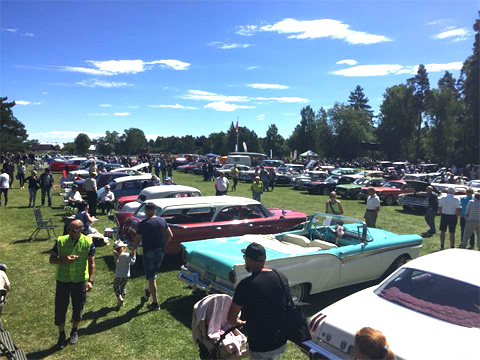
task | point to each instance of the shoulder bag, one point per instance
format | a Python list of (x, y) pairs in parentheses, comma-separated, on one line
[(294, 324)]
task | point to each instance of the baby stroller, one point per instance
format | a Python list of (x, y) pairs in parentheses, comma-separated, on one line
[(211, 332)]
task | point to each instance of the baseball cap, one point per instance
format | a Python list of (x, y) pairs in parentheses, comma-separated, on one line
[(3, 267), (168, 178), (255, 252), (118, 244)]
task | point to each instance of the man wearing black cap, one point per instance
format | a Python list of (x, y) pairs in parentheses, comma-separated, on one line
[(155, 235), (262, 300)]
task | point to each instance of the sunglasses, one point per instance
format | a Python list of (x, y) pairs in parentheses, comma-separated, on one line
[(75, 230)]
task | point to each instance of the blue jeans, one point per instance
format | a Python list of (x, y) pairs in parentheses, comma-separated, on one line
[(257, 196), (430, 219), (152, 261), (47, 190), (268, 355)]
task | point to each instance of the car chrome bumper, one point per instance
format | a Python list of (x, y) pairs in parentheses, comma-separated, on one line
[(193, 280), (406, 202), (316, 352)]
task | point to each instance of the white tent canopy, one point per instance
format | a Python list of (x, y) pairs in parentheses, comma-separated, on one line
[(309, 153)]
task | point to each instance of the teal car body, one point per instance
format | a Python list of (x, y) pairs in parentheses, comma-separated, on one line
[(321, 254)]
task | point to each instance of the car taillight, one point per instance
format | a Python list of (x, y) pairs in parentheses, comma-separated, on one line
[(184, 255), (316, 320), (232, 276)]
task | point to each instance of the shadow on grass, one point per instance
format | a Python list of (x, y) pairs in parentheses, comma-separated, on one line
[(181, 307), (23, 241), (169, 263), (41, 354), (97, 326), (410, 212)]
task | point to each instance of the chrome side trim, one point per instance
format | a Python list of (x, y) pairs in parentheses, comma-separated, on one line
[(316, 352), (373, 252), (193, 280)]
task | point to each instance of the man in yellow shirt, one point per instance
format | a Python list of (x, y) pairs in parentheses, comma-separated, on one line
[(257, 189)]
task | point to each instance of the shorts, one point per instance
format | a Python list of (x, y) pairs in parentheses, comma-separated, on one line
[(450, 221), (152, 261)]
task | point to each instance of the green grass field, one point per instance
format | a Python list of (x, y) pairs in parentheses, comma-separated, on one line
[(133, 332)]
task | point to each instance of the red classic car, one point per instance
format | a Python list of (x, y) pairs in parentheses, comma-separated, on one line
[(72, 164), (389, 192), (199, 218)]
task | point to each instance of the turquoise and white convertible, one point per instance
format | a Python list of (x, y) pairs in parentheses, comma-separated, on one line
[(324, 253)]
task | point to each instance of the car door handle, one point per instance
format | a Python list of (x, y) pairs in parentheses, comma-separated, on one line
[(218, 228), (250, 225)]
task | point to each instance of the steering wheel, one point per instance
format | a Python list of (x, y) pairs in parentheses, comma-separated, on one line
[(324, 233)]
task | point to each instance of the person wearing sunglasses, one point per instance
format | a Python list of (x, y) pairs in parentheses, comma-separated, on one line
[(74, 255), (334, 206)]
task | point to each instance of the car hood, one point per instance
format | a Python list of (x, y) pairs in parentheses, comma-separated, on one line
[(410, 334), (349, 186), (287, 213), (417, 185), (381, 188)]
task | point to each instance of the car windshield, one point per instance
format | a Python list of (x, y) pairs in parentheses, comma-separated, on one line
[(332, 179), (394, 185), (227, 166), (434, 295), (361, 181), (325, 226)]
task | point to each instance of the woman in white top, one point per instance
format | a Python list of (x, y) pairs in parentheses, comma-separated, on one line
[(4, 186)]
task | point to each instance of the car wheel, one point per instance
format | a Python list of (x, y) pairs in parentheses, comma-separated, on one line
[(400, 261), (298, 292), (389, 200), (325, 191), (358, 197)]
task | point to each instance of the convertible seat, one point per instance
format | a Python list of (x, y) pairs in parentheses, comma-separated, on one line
[(296, 240), (324, 245)]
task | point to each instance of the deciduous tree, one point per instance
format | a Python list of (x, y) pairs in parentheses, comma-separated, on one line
[(82, 143), (12, 131)]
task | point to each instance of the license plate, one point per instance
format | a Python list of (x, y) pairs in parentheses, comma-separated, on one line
[(208, 278)]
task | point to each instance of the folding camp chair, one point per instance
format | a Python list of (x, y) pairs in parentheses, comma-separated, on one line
[(8, 348), (42, 225)]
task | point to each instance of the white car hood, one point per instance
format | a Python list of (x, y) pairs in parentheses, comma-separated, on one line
[(410, 334)]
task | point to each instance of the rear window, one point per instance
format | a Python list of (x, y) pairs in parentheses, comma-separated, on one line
[(437, 296)]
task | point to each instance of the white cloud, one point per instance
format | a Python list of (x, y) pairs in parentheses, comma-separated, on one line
[(223, 106), (246, 30), (58, 134), (322, 28), (176, 106), (347, 61), (261, 117), (252, 67), (268, 86), (121, 114), (23, 102), (284, 99), (394, 69), (438, 22), (208, 96), (458, 34), (93, 83), (10, 30), (225, 46), (98, 114), (115, 67), (133, 106), (15, 31), (28, 34), (45, 93), (105, 105)]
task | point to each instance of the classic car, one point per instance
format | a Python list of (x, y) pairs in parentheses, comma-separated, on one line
[(272, 164), (418, 177), (371, 173), (60, 165), (328, 185), (389, 192), (474, 184), (83, 169), (127, 185), (315, 256), (344, 171), (418, 201), (197, 218), (227, 169), (102, 179), (132, 202), (190, 166), (414, 307), (299, 182), (352, 190)]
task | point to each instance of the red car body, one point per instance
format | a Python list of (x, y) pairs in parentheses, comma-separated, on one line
[(389, 192), (282, 220), (122, 200), (64, 165)]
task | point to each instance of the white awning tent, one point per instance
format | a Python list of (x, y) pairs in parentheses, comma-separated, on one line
[(309, 153)]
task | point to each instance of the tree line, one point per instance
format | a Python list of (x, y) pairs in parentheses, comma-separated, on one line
[(415, 121)]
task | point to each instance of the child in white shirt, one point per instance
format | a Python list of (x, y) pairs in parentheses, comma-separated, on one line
[(123, 261)]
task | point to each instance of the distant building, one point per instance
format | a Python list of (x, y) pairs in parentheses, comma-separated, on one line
[(41, 148)]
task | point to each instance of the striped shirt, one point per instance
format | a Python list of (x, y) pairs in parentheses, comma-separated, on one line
[(473, 211)]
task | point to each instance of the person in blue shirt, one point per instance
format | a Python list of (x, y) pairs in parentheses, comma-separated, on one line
[(464, 202)]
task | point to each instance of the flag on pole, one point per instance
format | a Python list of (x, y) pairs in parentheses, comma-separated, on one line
[(245, 147), (236, 126)]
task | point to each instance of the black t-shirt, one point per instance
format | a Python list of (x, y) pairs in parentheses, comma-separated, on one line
[(433, 202), (152, 230), (263, 302)]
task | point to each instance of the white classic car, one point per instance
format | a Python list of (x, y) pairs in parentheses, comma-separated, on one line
[(324, 253), (428, 309)]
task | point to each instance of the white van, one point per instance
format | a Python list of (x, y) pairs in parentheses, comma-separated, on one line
[(239, 159)]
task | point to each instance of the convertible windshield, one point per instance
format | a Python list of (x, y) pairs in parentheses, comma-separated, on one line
[(332, 179), (434, 295), (395, 185), (325, 226), (361, 181)]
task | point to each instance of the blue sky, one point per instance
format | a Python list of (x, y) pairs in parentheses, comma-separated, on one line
[(192, 67)]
